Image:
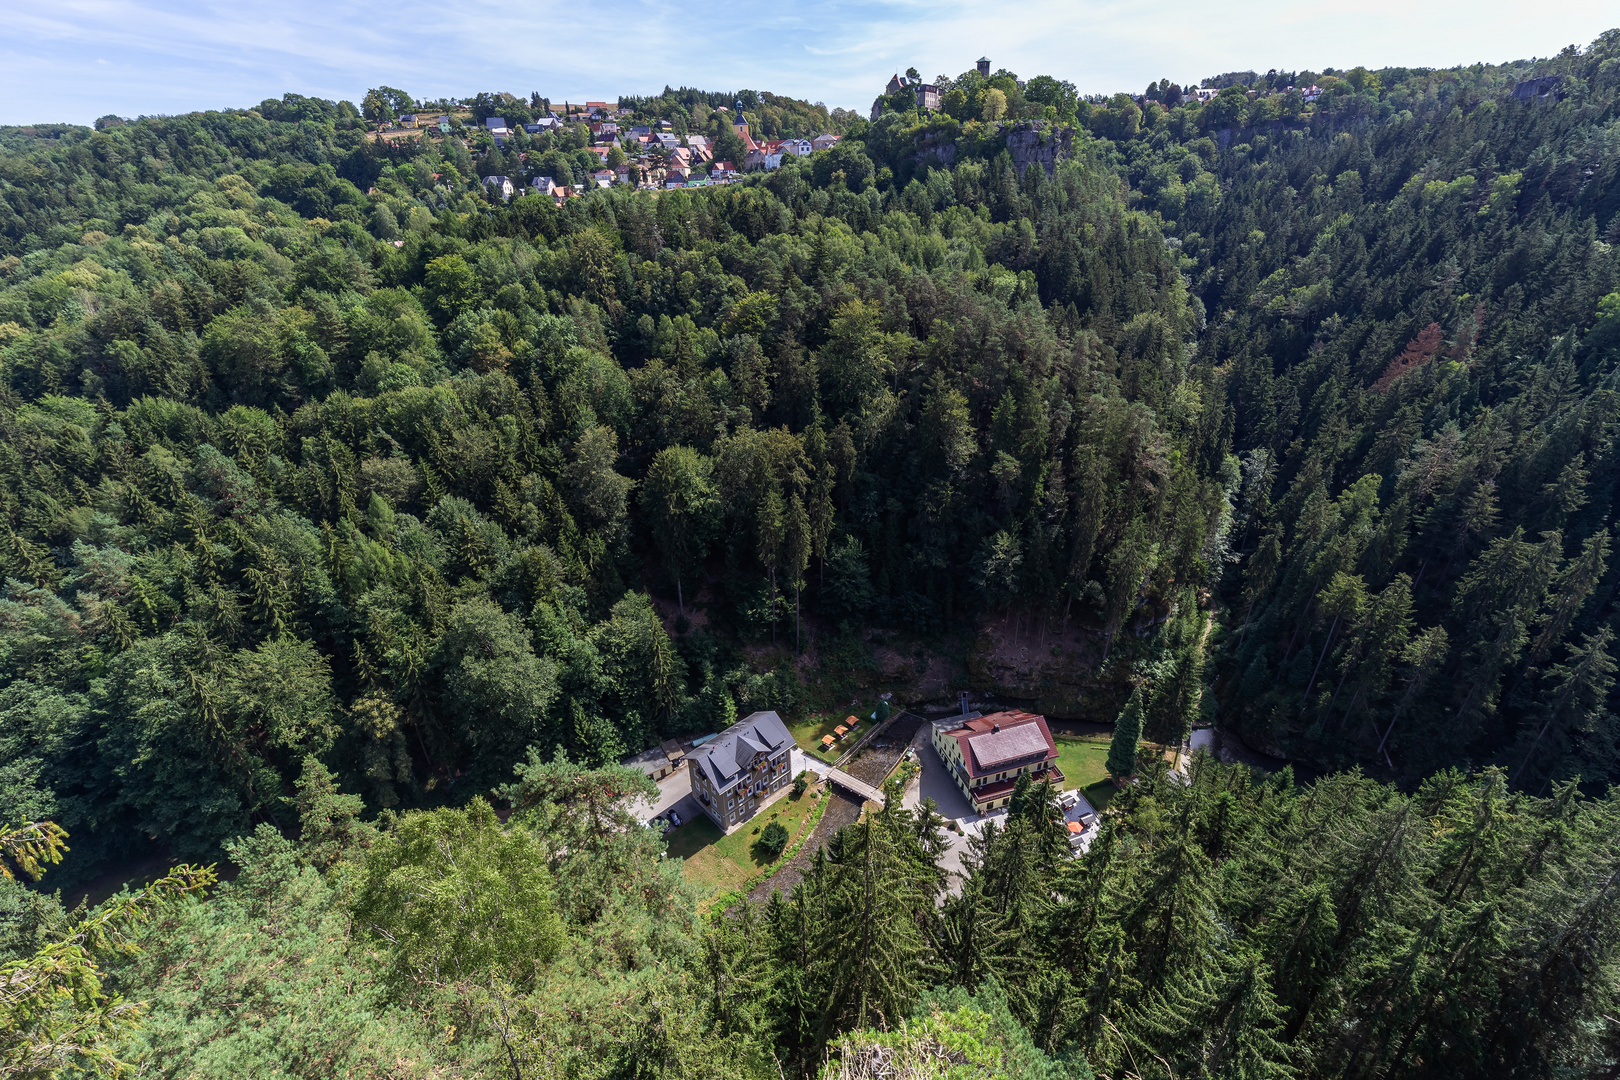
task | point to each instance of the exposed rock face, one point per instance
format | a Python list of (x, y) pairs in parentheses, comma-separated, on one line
[(939, 155), (1029, 142), (1546, 89), (1057, 673), (1034, 141)]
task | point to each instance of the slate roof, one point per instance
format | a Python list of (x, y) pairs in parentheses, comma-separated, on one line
[(726, 759), (1002, 741), (1009, 744)]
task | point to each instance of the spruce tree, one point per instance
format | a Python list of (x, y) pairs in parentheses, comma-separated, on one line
[(1121, 761)]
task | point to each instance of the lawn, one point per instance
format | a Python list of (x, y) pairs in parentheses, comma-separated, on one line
[(1082, 760), (1099, 793), (808, 732), (718, 863)]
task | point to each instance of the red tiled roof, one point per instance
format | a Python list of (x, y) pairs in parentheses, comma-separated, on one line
[(1018, 743)]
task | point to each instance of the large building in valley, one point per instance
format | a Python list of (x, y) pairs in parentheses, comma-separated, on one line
[(735, 774), (987, 754)]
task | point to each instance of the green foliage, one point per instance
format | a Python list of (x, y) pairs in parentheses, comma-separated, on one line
[(56, 1011), (322, 472), (772, 840), (1127, 733), (452, 895)]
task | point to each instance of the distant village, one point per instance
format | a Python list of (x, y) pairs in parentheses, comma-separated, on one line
[(647, 153)]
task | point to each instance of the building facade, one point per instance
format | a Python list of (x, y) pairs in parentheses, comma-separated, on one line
[(737, 772), (987, 754)]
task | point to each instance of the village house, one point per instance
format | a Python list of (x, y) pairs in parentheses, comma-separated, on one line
[(502, 185), (604, 177), (796, 147), (723, 171), (824, 141), (543, 185), (987, 754), (660, 761), (926, 94), (737, 772)]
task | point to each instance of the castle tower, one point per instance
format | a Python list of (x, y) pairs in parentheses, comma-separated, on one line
[(984, 66)]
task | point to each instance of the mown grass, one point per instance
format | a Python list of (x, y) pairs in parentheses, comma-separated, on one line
[(718, 862), (1083, 760), (809, 731)]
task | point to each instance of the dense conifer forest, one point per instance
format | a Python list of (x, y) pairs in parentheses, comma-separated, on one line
[(357, 523)]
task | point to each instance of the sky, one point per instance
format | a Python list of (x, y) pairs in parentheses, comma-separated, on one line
[(76, 60)]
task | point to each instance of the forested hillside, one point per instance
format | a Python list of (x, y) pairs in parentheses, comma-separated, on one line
[(279, 485), (1416, 325), (323, 472)]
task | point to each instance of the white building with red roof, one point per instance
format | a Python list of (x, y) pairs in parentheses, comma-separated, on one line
[(986, 755)]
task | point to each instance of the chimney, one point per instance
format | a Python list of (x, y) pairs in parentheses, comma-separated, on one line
[(995, 728)]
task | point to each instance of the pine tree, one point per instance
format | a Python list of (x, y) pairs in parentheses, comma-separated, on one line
[(870, 950), (1121, 761)]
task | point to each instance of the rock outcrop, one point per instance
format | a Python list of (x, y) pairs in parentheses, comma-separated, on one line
[(1036, 142)]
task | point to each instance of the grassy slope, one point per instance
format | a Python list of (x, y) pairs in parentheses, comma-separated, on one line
[(717, 862)]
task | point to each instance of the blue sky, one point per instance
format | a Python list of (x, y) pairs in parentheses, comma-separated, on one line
[(75, 60)]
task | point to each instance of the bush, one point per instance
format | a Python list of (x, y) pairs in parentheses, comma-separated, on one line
[(801, 783), (773, 840)]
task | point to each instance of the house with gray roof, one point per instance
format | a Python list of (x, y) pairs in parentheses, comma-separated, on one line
[(737, 772)]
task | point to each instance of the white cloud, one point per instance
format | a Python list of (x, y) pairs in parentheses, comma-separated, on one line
[(154, 56)]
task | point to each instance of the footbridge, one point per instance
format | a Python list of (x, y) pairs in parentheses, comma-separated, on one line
[(865, 792)]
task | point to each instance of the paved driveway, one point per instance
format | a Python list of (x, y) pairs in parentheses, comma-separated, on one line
[(674, 793), (935, 781)]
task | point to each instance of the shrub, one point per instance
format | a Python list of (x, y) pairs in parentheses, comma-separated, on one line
[(773, 840)]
